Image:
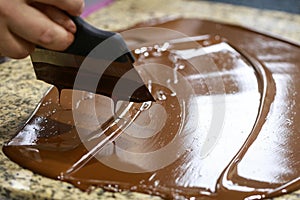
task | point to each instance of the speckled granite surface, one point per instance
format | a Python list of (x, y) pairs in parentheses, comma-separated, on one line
[(20, 92)]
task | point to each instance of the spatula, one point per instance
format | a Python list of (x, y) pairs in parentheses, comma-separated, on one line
[(97, 61)]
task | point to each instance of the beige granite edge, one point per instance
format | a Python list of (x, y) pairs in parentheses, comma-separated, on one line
[(277, 23)]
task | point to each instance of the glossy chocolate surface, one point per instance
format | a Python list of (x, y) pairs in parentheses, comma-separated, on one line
[(224, 124)]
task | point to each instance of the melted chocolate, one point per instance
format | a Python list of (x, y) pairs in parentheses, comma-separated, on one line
[(224, 124)]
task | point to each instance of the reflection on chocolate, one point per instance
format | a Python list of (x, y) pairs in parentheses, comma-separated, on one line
[(224, 124)]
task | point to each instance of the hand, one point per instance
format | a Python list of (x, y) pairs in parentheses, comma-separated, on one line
[(26, 23)]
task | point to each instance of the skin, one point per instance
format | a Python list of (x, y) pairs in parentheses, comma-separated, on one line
[(27, 23)]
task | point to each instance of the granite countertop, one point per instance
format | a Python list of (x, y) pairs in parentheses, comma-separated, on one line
[(20, 91)]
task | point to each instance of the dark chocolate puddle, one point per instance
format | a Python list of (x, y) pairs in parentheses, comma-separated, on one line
[(224, 124)]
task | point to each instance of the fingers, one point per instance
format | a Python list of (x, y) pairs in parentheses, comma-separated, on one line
[(73, 7), (57, 16), (37, 28), (26, 23), (15, 47)]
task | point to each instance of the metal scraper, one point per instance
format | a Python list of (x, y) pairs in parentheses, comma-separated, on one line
[(97, 61)]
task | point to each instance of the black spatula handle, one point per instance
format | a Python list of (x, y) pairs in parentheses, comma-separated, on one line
[(88, 37)]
